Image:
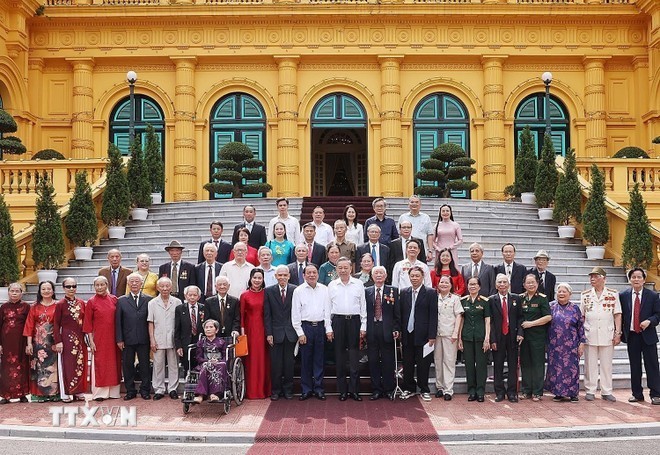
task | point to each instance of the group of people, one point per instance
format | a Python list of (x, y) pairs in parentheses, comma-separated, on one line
[(315, 285)]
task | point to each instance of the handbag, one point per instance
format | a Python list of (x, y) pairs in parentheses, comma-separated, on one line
[(241, 347)]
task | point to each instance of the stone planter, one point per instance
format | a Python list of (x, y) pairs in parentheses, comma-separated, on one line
[(116, 232), (528, 198), (545, 214), (47, 275), (139, 214), (566, 232), (595, 252), (83, 253), (156, 198)]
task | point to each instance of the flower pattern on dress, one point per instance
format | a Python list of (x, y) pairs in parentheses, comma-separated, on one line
[(565, 334)]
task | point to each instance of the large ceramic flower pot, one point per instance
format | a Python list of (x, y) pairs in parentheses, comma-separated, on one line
[(545, 214), (83, 253), (116, 232), (156, 198), (47, 275), (566, 232), (139, 214), (528, 198), (595, 252)]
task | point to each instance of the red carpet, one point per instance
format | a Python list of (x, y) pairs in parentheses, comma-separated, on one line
[(335, 427)]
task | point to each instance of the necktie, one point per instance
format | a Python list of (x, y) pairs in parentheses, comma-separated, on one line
[(378, 309), (373, 254), (135, 300), (543, 280), (113, 291), (222, 313), (505, 317), (175, 278), (475, 270), (508, 270), (636, 311), (193, 321), (209, 282), (283, 294), (249, 227), (310, 250), (411, 320), (301, 273), (215, 242)]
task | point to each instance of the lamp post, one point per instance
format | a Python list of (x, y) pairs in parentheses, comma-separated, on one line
[(131, 78), (547, 80)]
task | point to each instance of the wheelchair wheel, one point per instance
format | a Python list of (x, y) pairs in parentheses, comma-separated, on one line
[(227, 406), (186, 408), (238, 381)]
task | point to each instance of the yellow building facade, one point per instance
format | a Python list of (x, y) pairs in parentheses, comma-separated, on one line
[(338, 97)]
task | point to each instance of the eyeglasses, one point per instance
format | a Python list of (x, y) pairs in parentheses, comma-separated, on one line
[(70, 286)]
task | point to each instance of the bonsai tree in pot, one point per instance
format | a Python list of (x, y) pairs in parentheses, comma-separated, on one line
[(546, 179), (116, 201), (238, 172), (138, 182), (448, 168), (568, 197), (596, 230), (81, 227), (153, 164), (638, 243), (9, 270), (48, 239), (525, 167)]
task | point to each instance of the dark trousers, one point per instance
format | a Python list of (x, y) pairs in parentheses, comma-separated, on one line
[(311, 358), (381, 360), (128, 367), (507, 351), (636, 348), (347, 338), (475, 367), (189, 350), (413, 355), (532, 366), (281, 367)]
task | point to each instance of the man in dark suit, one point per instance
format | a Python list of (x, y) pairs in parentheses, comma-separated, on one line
[(181, 273), (185, 332), (546, 279), (115, 273), (506, 334), (280, 334), (206, 271), (257, 231), (374, 246), (223, 249), (132, 335), (419, 326), (315, 251), (398, 246), (515, 272), (477, 267), (383, 327), (224, 308), (641, 314), (297, 269)]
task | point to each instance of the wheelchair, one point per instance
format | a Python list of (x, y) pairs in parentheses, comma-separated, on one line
[(235, 380)]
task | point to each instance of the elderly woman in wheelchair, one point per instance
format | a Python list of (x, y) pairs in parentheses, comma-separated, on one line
[(211, 364)]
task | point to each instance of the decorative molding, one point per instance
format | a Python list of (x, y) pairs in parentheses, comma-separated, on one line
[(539, 67), (441, 66), (339, 66), (138, 68), (236, 67)]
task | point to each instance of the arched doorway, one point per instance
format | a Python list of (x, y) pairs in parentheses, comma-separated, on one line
[(339, 147), (238, 117), (439, 118), (147, 111), (531, 112)]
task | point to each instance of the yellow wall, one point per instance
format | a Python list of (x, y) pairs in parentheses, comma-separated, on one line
[(61, 74)]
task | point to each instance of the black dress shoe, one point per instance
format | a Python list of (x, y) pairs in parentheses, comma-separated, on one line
[(320, 396), (513, 399), (288, 396), (357, 397), (274, 397), (472, 398), (305, 396), (499, 398), (145, 396), (480, 399), (130, 396), (375, 396), (3, 400), (99, 399), (158, 396), (439, 393), (23, 400), (342, 397), (174, 395), (391, 396), (447, 397)]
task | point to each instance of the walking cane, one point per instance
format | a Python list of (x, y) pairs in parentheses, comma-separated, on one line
[(397, 375)]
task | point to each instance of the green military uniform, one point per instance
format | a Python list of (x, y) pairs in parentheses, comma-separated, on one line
[(532, 349), (473, 335)]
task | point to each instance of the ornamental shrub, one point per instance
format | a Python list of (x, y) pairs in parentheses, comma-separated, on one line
[(568, 196), (596, 231), (526, 164), (139, 187), (48, 154), (9, 144), (48, 239), (81, 227), (116, 199), (638, 243), (448, 168), (238, 172), (9, 270), (631, 152), (546, 175), (153, 161)]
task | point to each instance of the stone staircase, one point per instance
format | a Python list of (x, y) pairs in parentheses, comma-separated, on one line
[(489, 223)]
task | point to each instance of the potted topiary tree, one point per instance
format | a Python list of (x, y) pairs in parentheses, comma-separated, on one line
[(596, 230), (9, 270), (81, 227), (116, 201), (238, 172), (154, 167), (449, 168), (48, 154), (525, 167), (568, 197), (638, 243), (48, 239), (9, 144), (546, 179), (138, 182)]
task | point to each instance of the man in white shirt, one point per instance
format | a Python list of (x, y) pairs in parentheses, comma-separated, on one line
[(400, 278), (324, 233), (237, 271), (346, 325), (265, 258), (292, 225), (422, 227), (308, 313)]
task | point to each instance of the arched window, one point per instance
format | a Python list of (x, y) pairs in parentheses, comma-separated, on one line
[(531, 111), (147, 111), (238, 117), (439, 118)]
